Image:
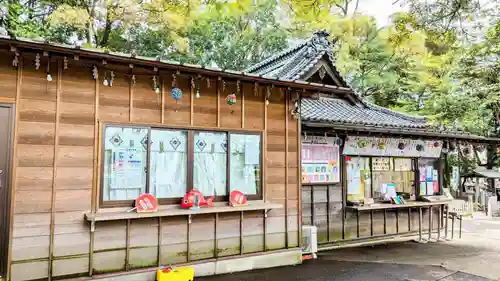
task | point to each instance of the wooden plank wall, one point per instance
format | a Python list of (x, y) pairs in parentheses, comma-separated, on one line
[(57, 173), (322, 207)]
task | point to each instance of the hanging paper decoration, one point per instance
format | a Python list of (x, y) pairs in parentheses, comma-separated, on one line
[(49, 77), (255, 87), (479, 148), (37, 61), (95, 72), (15, 61), (208, 83), (112, 76), (176, 94), (156, 88), (231, 99), (65, 62), (133, 81)]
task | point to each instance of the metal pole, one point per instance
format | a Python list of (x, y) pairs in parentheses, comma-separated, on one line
[(447, 216), (420, 224), (430, 223), (460, 229)]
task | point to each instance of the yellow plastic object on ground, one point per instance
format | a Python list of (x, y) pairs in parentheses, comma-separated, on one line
[(175, 274)]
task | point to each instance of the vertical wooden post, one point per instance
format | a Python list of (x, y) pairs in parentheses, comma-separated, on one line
[(328, 213), (160, 234), (96, 173), (19, 82), (286, 164), (162, 119), (188, 246), (299, 180), (241, 233), (217, 87), (409, 219), (216, 242), (242, 107), (131, 97), (264, 167), (371, 223), (430, 223), (127, 245), (397, 221), (420, 223), (191, 103), (54, 175)]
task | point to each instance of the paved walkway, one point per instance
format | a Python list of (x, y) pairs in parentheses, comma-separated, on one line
[(325, 270), (476, 254)]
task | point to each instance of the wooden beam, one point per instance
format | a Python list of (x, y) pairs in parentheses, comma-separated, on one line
[(127, 245), (286, 164), (131, 98), (264, 167), (54, 173), (242, 107), (191, 103), (217, 86), (160, 234), (19, 82), (299, 179), (162, 119)]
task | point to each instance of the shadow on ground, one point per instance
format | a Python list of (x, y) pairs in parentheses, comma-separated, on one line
[(329, 270)]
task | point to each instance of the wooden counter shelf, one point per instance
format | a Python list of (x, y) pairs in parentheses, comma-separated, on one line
[(170, 212), (384, 206)]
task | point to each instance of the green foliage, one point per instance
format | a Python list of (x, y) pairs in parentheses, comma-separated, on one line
[(440, 58)]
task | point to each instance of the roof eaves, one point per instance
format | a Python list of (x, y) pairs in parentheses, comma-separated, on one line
[(275, 57)]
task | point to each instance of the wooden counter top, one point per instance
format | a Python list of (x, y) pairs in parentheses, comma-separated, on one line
[(410, 204), (170, 212)]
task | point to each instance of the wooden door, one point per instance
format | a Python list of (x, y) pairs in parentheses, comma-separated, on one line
[(6, 137)]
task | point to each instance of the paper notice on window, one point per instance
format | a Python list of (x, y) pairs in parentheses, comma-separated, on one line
[(252, 151)]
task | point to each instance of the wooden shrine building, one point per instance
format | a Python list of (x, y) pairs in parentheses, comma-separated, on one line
[(83, 133), (353, 151)]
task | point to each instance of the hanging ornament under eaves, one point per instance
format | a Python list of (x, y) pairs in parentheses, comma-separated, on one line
[(95, 72), (37, 61), (176, 92), (49, 77), (156, 87), (231, 99)]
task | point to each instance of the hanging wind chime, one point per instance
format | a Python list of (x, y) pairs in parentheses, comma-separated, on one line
[(15, 61), (108, 81), (176, 92), (231, 98)]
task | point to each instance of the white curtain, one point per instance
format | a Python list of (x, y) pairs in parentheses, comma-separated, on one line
[(245, 161), (210, 158), (124, 163), (168, 163)]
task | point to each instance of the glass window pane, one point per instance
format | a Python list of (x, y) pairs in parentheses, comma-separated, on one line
[(125, 157), (358, 178), (209, 167), (168, 163), (245, 163)]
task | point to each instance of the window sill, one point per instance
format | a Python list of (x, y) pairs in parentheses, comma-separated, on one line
[(384, 206), (177, 211)]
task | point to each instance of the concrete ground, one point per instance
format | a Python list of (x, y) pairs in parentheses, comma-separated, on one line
[(326, 270), (476, 254)]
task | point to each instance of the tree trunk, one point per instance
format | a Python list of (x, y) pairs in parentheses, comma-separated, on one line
[(90, 24), (107, 28)]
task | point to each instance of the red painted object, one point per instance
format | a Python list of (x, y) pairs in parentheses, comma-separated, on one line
[(189, 200), (237, 198), (146, 203)]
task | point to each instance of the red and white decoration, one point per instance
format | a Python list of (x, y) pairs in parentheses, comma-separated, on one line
[(146, 203)]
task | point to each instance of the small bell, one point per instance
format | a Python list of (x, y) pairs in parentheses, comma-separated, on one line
[(49, 77), (157, 90), (197, 93), (267, 102), (105, 82)]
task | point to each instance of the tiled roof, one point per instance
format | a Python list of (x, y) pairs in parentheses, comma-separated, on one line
[(332, 110), (295, 62)]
